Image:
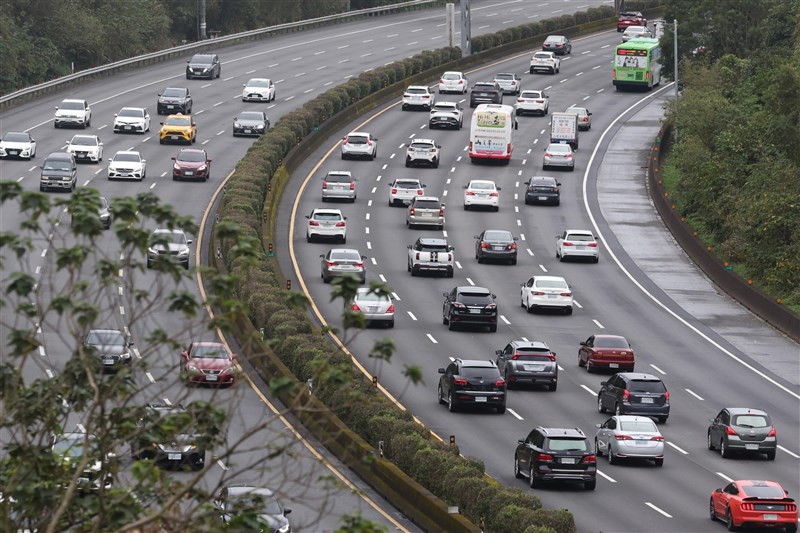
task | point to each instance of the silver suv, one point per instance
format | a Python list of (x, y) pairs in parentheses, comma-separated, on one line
[(425, 211), (339, 184), (423, 152)]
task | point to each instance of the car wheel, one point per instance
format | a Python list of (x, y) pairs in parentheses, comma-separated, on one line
[(466, 207), (724, 451), (597, 449), (662, 419), (618, 409), (659, 462), (517, 473), (553, 387), (590, 485), (492, 329), (729, 521), (528, 307), (501, 409), (390, 324), (596, 259), (568, 310), (440, 395), (709, 441), (450, 326), (612, 458), (308, 237), (589, 366), (580, 361), (408, 163), (451, 404), (771, 455), (531, 71), (532, 481), (149, 263), (711, 513), (479, 258), (324, 279), (514, 261)]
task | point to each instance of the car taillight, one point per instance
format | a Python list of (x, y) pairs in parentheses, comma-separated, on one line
[(346, 140), (420, 192), (406, 95), (331, 263), (666, 396), (369, 143), (460, 382), (425, 96), (352, 185), (470, 146), (411, 212), (586, 119), (484, 245), (433, 150), (551, 357), (491, 307), (537, 293), (360, 265), (539, 101), (441, 81), (730, 431), (590, 459), (520, 100), (508, 148), (545, 457), (356, 308), (441, 211), (566, 294), (469, 193), (658, 438), (614, 74), (626, 396), (461, 82), (568, 156), (647, 75), (341, 224), (394, 191), (494, 194), (417, 256), (324, 184), (391, 309), (622, 437), (410, 148), (592, 244), (449, 257), (313, 223), (567, 243), (500, 383), (458, 305), (512, 246), (772, 433), (548, 154)]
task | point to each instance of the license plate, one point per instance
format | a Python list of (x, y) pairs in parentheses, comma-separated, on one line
[(534, 368), (474, 311), (127, 127), (751, 446), (480, 398), (616, 365), (174, 137), (170, 107), (640, 442), (248, 131), (174, 456), (568, 460), (579, 247), (108, 361), (212, 377), (647, 400), (543, 198), (770, 517), (189, 173), (498, 247), (552, 296), (372, 309), (12, 152)]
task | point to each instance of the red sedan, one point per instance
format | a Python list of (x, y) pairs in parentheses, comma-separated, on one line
[(208, 362), (748, 503), (191, 164), (630, 18), (611, 352)]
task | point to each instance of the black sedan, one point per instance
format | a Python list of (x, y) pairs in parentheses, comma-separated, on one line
[(496, 244), (250, 123), (542, 190)]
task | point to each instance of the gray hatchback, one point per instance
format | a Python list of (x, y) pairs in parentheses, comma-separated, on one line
[(742, 429)]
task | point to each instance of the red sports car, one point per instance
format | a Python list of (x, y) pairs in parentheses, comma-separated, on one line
[(191, 164), (606, 352), (748, 503), (210, 363)]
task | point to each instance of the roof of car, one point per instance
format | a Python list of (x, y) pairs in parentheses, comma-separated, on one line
[(105, 331), (477, 363), (745, 411), (428, 198), (425, 87), (562, 432), (80, 100), (604, 336), (60, 155), (586, 231), (530, 344), (543, 178), (638, 376), (549, 278), (167, 230), (433, 241), (358, 133), (470, 288), (238, 490), (757, 483), (193, 150), (327, 210), (430, 141), (633, 418), (339, 173), (208, 343)]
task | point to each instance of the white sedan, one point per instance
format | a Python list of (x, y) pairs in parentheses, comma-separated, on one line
[(86, 148), (17, 144), (326, 223), (127, 166), (577, 243), (132, 120), (531, 101), (483, 193), (258, 90), (546, 292)]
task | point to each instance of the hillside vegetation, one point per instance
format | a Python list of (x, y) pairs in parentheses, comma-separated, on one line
[(737, 158)]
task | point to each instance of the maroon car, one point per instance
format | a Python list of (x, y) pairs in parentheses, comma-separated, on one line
[(607, 352), (191, 164), (208, 362), (630, 18)]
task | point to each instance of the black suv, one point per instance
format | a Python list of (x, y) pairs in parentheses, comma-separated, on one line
[(485, 92), (472, 382), (542, 190), (528, 362), (174, 100), (204, 66), (633, 393), (469, 306), (164, 434), (549, 454)]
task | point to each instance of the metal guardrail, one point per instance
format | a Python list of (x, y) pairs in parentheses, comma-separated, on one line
[(30, 93)]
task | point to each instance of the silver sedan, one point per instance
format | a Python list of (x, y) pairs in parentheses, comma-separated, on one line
[(341, 262), (558, 155), (376, 307), (629, 436)]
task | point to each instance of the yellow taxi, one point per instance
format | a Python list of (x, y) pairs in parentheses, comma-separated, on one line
[(178, 128)]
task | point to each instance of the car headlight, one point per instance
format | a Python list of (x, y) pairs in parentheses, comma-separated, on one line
[(259, 126), (184, 252), (285, 529), (152, 251), (125, 355), (228, 370), (237, 125), (192, 368), (201, 168), (176, 166)]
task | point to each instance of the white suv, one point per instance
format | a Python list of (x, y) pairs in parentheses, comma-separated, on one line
[(423, 151), (546, 61), (403, 190), (577, 243), (359, 144), (326, 223), (73, 113), (453, 82), (532, 101), (418, 96)]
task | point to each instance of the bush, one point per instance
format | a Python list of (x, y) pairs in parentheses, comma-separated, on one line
[(559, 520), (510, 519)]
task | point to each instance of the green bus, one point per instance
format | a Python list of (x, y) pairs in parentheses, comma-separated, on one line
[(637, 63)]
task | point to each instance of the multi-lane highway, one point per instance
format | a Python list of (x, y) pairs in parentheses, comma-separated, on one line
[(703, 367), (302, 66)]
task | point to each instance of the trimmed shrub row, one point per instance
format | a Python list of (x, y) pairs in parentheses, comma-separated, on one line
[(336, 381)]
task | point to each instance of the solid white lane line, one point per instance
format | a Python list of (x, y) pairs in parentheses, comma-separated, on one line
[(434, 341), (598, 324), (788, 451), (694, 394), (504, 319), (723, 476), (607, 477), (658, 369), (656, 509), (514, 413), (470, 282), (590, 391), (684, 452), (411, 315)]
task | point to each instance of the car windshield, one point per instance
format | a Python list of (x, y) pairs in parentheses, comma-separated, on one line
[(576, 110), (191, 156), (559, 148), (251, 115), (253, 501), (130, 112), (451, 76), (551, 284), (327, 216), (542, 55), (56, 165), (406, 184), (475, 372), (338, 178), (638, 425), (568, 445), (521, 355), (646, 385), (366, 296), (498, 236), (482, 185), (71, 447), (84, 140), (433, 248), (554, 39), (531, 94), (345, 255), (258, 83), (751, 421), (444, 107), (356, 139), (580, 237), (129, 157), (417, 90), (212, 351), (201, 60), (504, 77), (105, 338), (611, 342), (764, 492), (72, 106), (178, 121), (14, 137), (421, 146), (471, 298), (170, 237), (173, 92), (426, 204)]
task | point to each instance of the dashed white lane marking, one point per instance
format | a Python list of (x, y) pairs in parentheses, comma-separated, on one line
[(723, 476), (412, 43), (80, 427), (289, 98), (656, 509), (694, 394), (205, 142), (49, 373), (484, 26), (126, 331), (448, 181), (369, 245), (342, 47), (20, 178), (790, 452), (396, 297), (121, 273), (658, 369), (136, 353), (374, 261), (514, 413), (218, 104), (383, 279), (605, 46), (598, 324), (368, 41), (444, 193), (44, 252), (307, 91), (522, 236), (607, 477), (543, 268), (524, 339), (324, 85), (366, 230), (384, 166), (411, 315), (150, 377), (367, 216), (121, 310), (41, 351), (579, 306), (516, 207), (530, 252), (273, 65), (369, 203), (444, 233), (251, 71), (597, 67), (504, 319), (152, 186), (38, 269), (166, 401), (600, 90), (388, 49), (322, 67), (99, 170), (684, 452), (434, 341), (470, 282), (220, 132), (524, 161), (301, 74), (222, 465), (367, 54), (373, 190), (516, 197), (393, 35), (422, 127), (392, 156), (458, 264), (519, 223), (378, 178), (452, 169), (587, 389)]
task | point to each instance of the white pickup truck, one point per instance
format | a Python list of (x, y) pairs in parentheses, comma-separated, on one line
[(545, 61), (430, 255)]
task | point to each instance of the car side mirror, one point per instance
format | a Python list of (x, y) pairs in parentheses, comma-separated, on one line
[(499, 188), (520, 441), (234, 356), (409, 246), (184, 355), (144, 161), (441, 370), (115, 114), (363, 257), (583, 343), (161, 123), (244, 85), (210, 160), (603, 383), (463, 186), (345, 218), (374, 138), (130, 344), (718, 490), (450, 248), (322, 255), (188, 241), (100, 144), (590, 114), (444, 294), (188, 61), (173, 158), (110, 209), (498, 352), (558, 183), (598, 425), (287, 511), (424, 185), (476, 236), (494, 296), (308, 216)]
